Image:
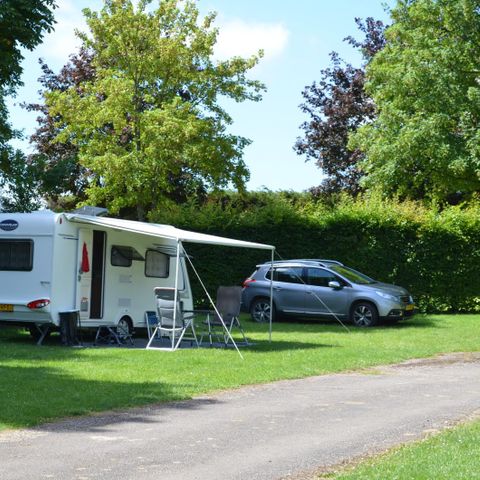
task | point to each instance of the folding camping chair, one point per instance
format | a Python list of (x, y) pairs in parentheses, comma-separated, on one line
[(151, 321), (108, 334), (172, 322), (113, 334), (228, 306)]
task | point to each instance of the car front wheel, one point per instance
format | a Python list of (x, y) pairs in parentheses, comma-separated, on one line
[(364, 314), (260, 310)]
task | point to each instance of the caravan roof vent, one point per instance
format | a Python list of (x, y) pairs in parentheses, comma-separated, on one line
[(92, 211)]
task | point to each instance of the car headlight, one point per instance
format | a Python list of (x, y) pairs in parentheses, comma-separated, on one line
[(387, 296)]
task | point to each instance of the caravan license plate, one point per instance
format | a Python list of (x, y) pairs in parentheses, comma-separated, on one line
[(409, 307), (4, 307)]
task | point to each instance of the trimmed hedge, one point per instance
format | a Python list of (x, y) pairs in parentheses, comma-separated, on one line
[(434, 254)]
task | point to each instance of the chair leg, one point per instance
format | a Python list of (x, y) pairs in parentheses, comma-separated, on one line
[(100, 336), (235, 322), (97, 335), (210, 336), (179, 339), (227, 336), (110, 336), (192, 326), (149, 333), (244, 336), (114, 334), (241, 331), (43, 333), (122, 336)]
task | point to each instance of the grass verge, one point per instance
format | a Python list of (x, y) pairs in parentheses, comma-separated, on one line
[(38, 384), (448, 455)]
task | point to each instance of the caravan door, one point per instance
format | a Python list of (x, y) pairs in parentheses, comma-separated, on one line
[(91, 273)]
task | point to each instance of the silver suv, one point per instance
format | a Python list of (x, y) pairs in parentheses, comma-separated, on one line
[(324, 288)]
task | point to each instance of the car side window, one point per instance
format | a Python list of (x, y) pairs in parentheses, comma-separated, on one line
[(320, 278), (287, 274)]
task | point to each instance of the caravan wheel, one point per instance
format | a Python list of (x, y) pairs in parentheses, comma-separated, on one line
[(124, 327)]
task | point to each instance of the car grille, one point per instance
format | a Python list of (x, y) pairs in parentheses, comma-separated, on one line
[(405, 299)]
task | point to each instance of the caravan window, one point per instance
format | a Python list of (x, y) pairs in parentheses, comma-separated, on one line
[(122, 256), (156, 264), (16, 255)]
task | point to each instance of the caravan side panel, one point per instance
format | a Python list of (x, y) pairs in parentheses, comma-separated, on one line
[(64, 268), (26, 256), (127, 287)]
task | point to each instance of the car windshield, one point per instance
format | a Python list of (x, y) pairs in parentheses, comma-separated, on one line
[(352, 275)]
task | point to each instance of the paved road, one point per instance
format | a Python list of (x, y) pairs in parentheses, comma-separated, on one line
[(262, 432)]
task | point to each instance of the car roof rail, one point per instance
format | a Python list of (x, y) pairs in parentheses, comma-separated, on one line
[(275, 262), (323, 261), (302, 261)]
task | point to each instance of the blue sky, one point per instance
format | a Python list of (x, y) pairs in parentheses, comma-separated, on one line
[(297, 37)]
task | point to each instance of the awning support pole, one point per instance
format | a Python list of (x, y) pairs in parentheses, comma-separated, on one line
[(175, 297)]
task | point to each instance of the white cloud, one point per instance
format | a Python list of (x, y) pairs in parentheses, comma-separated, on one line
[(238, 37), (62, 42)]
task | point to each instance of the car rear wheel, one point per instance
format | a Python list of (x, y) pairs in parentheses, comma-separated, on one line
[(260, 310), (364, 314)]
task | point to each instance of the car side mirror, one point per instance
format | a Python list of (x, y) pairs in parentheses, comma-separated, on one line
[(335, 285)]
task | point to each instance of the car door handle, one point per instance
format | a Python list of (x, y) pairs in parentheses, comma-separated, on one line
[(277, 288)]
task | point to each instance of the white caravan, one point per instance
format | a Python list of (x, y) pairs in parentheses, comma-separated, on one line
[(105, 268)]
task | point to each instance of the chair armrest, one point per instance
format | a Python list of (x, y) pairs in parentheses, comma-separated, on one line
[(198, 311)]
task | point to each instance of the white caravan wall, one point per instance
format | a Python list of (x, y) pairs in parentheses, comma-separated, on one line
[(127, 291), (21, 287)]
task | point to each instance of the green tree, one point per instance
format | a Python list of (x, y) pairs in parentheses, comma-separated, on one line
[(22, 26), (20, 182), (152, 113), (337, 105), (62, 180), (425, 140)]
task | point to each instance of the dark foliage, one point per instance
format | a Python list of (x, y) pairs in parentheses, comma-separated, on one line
[(22, 26), (338, 105), (435, 256), (64, 180), (20, 180)]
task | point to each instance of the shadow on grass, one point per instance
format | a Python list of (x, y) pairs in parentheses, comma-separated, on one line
[(261, 346), (331, 326), (20, 336), (145, 415), (31, 396), (15, 345), (423, 321), (24, 347)]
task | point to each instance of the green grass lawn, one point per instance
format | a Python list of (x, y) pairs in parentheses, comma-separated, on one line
[(42, 383), (453, 454)]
